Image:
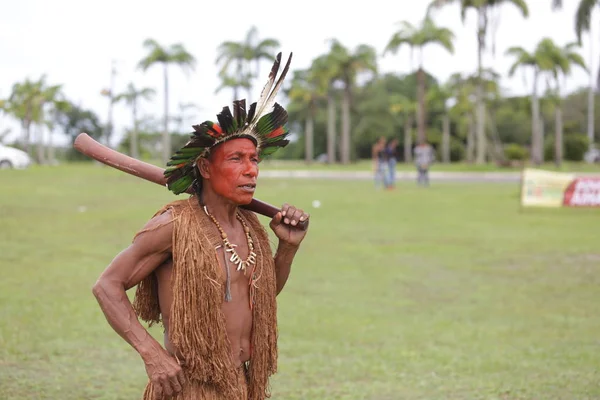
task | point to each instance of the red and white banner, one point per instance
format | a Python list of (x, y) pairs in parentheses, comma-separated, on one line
[(540, 188), (583, 192)]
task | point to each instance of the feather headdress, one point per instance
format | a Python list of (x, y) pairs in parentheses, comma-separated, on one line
[(265, 123)]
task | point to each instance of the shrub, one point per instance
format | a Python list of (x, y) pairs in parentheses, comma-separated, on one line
[(457, 150), (575, 146), (515, 152)]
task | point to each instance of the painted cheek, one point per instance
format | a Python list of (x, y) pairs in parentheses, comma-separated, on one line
[(225, 182)]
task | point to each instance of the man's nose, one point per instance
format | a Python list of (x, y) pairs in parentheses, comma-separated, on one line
[(250, 169)]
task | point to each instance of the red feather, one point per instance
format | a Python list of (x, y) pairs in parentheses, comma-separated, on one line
[(215, 130), (276, 132)]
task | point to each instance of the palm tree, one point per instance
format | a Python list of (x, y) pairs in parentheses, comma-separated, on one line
[(324, 75), (176, 54), (233, 54), (308, 87), (463, 111), (184, 116), (345, 66), (4, 108), (21, 103), (239, 55), (564, 59), (419, 37), (58, 108), (233, 82), (583, 17), (484, 9), (48, 96), (443, 94), (258, 50), (26, 102), (403, 105), (131, 97), (540, 61)]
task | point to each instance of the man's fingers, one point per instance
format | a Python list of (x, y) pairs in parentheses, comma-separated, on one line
[(292, 215), (181, 378), (158, 390), (174, 381), (168, 390), (284, 209), (277, 219), (296, 217)]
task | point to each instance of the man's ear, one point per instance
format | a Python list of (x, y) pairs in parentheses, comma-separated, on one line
[(203, 167)]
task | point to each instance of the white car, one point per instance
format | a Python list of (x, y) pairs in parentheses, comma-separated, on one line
[(13, 158)]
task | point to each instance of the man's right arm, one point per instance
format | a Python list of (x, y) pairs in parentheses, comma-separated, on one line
[(148, 251)]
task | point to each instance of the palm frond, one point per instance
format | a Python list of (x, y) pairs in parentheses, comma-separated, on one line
[(583, 16)]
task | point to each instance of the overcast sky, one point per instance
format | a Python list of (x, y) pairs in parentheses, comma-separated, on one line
[(73, 42)]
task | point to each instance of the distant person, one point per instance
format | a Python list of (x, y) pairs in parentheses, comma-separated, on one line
[(424, 157), (391, 155), (379, 162)]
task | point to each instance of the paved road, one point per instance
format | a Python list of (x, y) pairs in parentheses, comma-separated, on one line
[(501, 177), (400, 176)]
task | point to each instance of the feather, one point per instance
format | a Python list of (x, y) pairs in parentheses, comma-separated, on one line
[(226, 120), (251, 113), (264, 94), (272, 121), (239, 112), (267, 96)]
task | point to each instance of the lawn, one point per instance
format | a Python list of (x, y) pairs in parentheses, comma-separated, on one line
[(367, 165), (450, 292)]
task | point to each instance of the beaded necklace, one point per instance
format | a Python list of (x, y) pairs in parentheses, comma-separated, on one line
[(230, 248)]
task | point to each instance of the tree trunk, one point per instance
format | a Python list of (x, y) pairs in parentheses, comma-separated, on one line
[(50, 153), (408, 138), (421, 106), (27, 126), (558, 136), (535, 133), (166, 136), (345, 145), (309, 132), (481, 139), (41, 154), (133, 141), (542, 128), (471, 139), (590, 120), (330, 129), (446, 139)]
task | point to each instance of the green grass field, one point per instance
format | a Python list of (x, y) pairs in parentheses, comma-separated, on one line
[(450, 292), (367, 165)]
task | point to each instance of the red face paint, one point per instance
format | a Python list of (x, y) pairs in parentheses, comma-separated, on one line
[(233, 170)]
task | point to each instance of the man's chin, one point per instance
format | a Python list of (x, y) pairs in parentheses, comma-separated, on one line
[(244, 200)]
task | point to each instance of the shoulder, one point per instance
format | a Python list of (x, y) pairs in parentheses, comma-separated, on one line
[(157, 233)]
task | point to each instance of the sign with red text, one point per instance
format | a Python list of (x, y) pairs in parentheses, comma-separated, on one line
[(583, 192), (540, 188)]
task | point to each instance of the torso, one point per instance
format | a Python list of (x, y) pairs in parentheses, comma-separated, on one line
[(237, 313)]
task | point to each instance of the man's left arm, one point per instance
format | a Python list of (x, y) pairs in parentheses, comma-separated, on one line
[(283, 224)]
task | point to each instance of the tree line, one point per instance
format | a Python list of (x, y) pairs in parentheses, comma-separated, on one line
[(341, 104)]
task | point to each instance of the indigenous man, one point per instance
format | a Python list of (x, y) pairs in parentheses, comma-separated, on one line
[(204, 266)]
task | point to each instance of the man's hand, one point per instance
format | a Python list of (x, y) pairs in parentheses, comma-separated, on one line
[(287, 233), (164, 372)]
